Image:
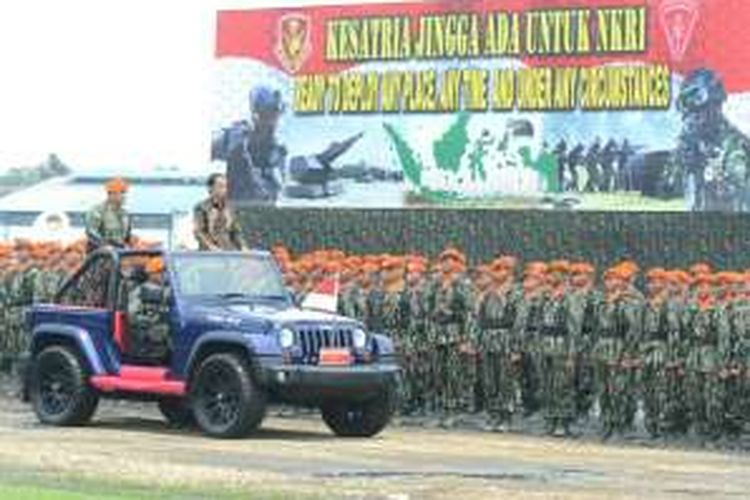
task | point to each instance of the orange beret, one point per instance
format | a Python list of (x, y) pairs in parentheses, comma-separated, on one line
[(613, 272), (416, 266), (393, 263), (582, 268), (559, 266), (116, 185), (535, 268), (628, 267), (657, 274), (154, 265), (725, 278)]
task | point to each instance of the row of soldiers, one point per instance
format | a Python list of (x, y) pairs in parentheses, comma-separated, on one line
[(543, 338), (596, 168), (548, 339), (19, 289)]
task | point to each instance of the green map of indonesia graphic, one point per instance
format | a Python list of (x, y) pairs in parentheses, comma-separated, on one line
[(460, 159)]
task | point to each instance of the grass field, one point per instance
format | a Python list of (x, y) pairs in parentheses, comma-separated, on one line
[(25, 485)]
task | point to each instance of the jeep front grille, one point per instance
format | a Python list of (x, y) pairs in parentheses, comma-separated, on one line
[(313, 339)]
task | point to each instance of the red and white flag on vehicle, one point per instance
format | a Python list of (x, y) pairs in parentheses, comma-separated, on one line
[(325, 295)]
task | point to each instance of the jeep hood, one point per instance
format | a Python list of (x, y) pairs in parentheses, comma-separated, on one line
[(250, 315)]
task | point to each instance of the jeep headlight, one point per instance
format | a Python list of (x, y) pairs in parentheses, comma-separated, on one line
[(359, 337), (286, 338)]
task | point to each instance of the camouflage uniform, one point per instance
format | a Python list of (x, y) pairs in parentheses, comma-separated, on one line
[(590, 302), (526, 330), (743, 347), (616, 351), (353, 301), (416, 346), (393, 311), (495, 318), (731, 349), (108, 225), (659, 319), (703, 364), (561, 326), (216, 227), (148, 323), (452, 329)]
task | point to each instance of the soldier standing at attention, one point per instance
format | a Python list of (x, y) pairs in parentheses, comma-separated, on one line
[(417, 347), (629, 329), (653, 350), (703, 359), (109, 224), (451, 312), (496, 314), (214, 223), (561, 327), (585, 304), (676, 411), (730, 325), (526, 329), (608, 349)]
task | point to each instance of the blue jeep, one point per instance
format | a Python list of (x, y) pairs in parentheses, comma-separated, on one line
[(232, 340)]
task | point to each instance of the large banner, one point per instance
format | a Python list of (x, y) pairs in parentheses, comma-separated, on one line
[(550, 104)]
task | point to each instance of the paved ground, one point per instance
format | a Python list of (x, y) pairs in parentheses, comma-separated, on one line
[(298, 456)]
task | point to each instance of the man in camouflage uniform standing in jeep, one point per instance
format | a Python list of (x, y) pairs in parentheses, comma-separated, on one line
[(109, 224)]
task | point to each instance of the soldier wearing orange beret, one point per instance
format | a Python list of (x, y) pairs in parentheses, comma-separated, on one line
[(109, 224), (496, 306)]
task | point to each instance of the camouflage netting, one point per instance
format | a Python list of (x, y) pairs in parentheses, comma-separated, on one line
[(651, 239)]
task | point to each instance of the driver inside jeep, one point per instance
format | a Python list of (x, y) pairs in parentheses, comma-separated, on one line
[(148, 308)]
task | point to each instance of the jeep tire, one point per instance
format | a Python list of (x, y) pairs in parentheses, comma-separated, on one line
[(59, 390), (177, 411), (226, 401), (360, 418)]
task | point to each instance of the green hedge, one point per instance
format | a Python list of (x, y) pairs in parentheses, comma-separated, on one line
[(651, 239)]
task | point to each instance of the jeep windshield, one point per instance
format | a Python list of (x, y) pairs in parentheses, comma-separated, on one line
[(228, 276)]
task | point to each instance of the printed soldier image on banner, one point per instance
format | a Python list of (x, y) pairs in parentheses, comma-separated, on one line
[(607, 105)]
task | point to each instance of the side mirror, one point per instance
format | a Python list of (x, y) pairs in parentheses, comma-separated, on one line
[(151, 294)]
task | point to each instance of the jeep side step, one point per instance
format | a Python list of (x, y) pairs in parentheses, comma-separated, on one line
[(140, 379)]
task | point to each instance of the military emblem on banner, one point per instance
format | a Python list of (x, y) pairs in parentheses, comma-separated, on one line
[(293, 41), (678, 19)]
